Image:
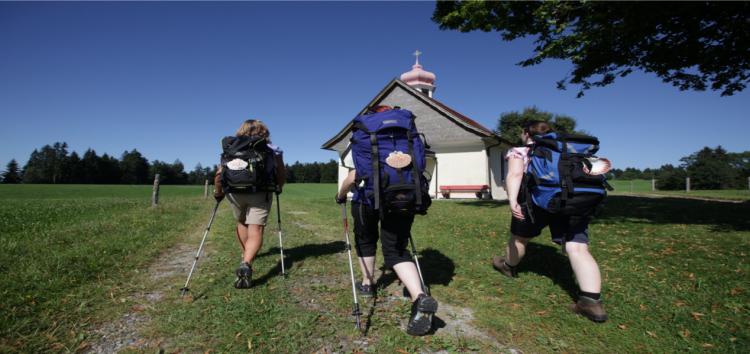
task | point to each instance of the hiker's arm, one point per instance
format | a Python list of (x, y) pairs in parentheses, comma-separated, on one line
[(280, 170), (218, 191), (513, 181), (346, 185)]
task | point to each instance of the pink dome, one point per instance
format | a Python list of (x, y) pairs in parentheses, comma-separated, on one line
[(418, 76)]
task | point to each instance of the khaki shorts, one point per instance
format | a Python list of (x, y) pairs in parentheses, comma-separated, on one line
[(251, 208)]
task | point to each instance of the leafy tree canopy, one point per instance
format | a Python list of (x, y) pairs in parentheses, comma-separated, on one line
[(511, 124), (691, 45)]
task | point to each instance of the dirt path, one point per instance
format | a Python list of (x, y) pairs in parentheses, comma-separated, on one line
[(452, 322), (124, 332)]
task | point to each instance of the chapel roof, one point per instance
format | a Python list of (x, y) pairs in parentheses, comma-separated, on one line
[(461, 121)]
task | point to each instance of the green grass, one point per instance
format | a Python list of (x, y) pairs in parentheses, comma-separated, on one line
[(87, 191), (642, 186), (675, 278), (67, 252)]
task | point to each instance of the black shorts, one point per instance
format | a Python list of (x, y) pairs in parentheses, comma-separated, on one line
[(394, 232), (569, 228)]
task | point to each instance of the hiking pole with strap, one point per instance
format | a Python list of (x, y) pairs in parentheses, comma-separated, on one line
[(281, 243), (416, 263), (185, 288), (355, 310)]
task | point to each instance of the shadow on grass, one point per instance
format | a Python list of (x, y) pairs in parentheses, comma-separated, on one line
[(720, 216), (484, 203), (297, 254), (436, 267), (548, 261)]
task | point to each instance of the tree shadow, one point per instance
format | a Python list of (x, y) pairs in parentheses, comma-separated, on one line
[(484, 203), (549, 262), (720, 216), (297, 254)]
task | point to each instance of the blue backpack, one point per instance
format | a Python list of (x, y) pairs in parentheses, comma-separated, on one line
[(382, 145), (555, 178)]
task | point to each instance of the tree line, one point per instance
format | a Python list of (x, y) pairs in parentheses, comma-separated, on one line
[(56, 165), (708, 168)]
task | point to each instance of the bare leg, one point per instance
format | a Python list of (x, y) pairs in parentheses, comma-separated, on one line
[(584, 266), (407, 272), (367, 265), (516, 250), (251, 237)]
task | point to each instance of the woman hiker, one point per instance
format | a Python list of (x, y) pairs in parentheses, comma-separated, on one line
[(251, 170), (572, 232), (394, 233)]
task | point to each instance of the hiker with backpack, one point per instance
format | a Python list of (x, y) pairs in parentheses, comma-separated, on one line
[(388, 158), (556, 181), (251, 170)]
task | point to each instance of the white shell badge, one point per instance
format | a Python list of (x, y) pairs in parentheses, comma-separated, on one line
[(237, 164), (398, 159), (599, 166)]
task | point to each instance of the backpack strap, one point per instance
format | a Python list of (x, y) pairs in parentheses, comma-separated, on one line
[(414, 169), (566, 182), (376, 171)]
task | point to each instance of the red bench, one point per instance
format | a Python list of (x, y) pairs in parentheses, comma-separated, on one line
[(479, 190)]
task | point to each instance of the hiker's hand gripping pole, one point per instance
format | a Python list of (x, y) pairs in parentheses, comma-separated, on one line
[(355, 309), (185, 288)]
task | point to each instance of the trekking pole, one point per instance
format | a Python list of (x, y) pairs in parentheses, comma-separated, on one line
[(281, 243), (355, 310), (185, 288), (416, 262)]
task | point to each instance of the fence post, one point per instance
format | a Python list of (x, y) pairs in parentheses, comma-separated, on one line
[(155, 191), (631, 186), (653, 184), (205, 190), (687, 184)]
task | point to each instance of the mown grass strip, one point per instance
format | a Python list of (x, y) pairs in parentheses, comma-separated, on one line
[(66, 264)]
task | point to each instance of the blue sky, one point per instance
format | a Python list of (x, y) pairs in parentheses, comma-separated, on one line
[(170, 79)]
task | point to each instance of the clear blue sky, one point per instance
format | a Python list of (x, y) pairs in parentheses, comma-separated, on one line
[(170, 79)]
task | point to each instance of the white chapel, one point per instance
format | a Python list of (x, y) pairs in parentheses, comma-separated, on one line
[(465, 159)]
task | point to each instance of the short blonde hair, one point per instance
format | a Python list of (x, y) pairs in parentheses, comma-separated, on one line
[(253, 127)]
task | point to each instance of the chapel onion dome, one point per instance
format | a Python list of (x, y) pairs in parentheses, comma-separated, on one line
[(418, 76), (422, 80)]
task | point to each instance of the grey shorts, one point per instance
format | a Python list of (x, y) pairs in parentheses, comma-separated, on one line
[(251, 208)]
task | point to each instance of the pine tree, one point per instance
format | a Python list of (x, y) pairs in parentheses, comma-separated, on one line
[(11, 174)]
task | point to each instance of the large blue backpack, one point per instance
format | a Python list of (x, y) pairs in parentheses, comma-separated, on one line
[(375, 137), (556, 179)]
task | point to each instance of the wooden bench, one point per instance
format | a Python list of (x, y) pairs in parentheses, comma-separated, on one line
[(480, 190)]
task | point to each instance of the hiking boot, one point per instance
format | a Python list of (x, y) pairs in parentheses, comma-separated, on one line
[(365, 289), (244, 276), (422, 311), (499, 264), (590, 308)]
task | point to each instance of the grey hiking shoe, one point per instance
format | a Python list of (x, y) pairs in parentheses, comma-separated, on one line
[(244, 276), (589, 308), (499, 264), (422, 311), (365, 289)]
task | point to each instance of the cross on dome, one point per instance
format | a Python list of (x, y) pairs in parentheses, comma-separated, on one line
[(422, 80)]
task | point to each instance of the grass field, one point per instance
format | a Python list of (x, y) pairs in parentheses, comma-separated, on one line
[(675, 277), (642, 186)]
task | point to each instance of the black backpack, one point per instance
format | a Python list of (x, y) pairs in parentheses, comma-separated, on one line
[(248, 164)]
